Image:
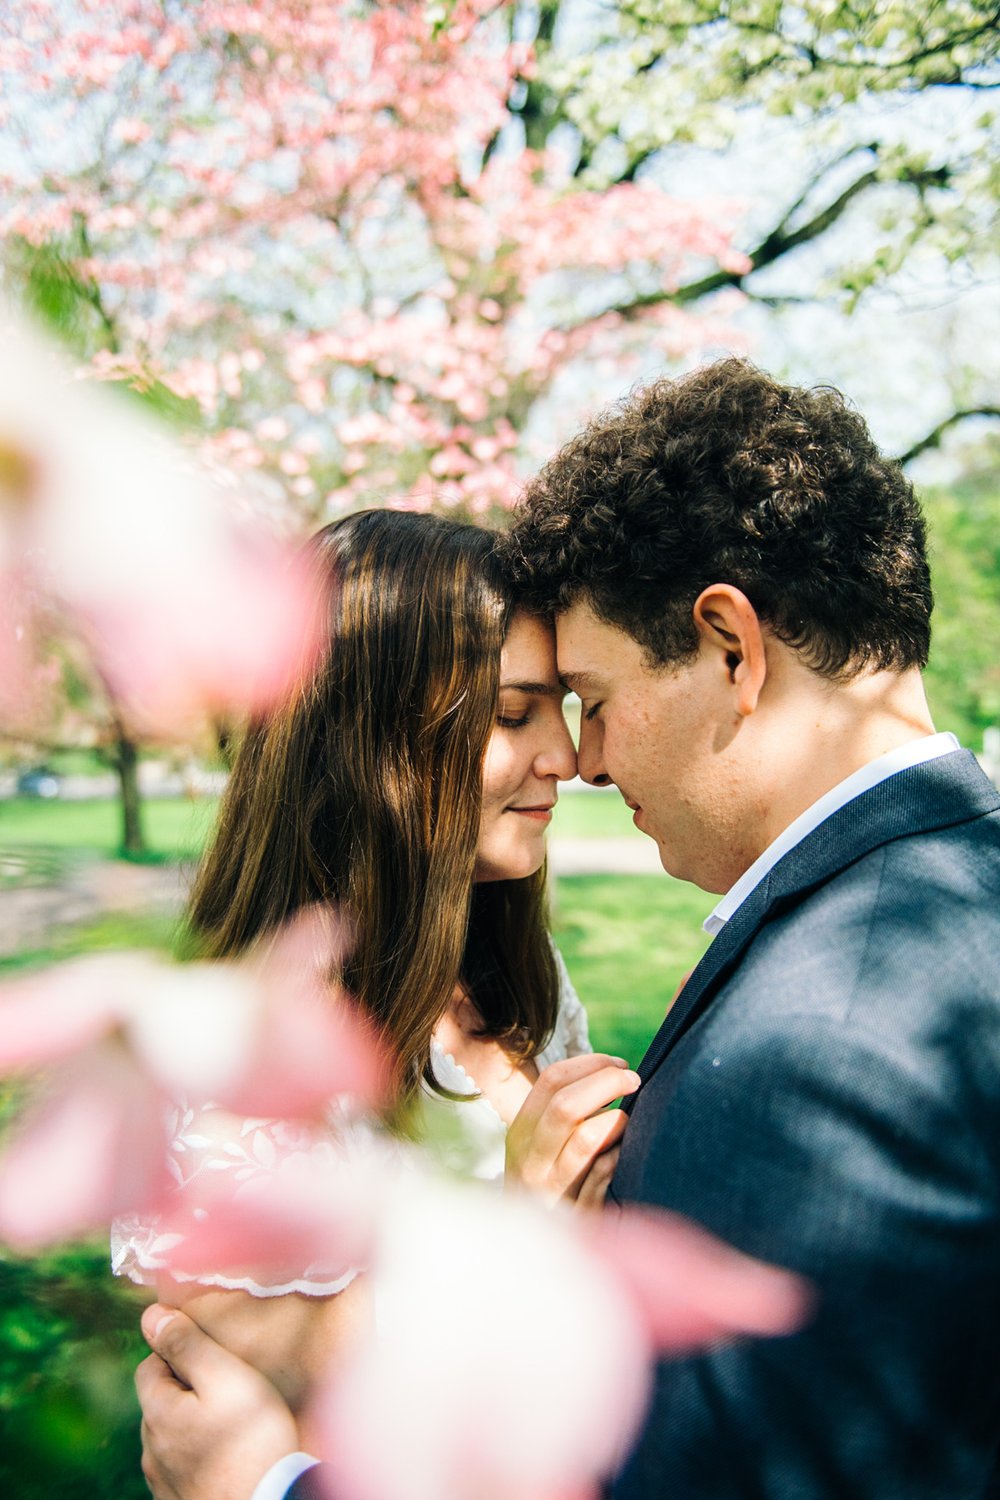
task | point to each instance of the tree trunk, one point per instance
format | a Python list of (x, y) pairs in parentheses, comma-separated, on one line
[(126, 756)]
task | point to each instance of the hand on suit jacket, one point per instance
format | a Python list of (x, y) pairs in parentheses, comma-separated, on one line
[(562, 1143), (211, 1425)]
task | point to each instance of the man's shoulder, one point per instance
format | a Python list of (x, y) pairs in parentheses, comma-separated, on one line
[(930, 817)]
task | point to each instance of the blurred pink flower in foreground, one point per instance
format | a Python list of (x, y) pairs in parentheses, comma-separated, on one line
[(514, 1345), (184, 609), (122, 1035), (513, 1353)]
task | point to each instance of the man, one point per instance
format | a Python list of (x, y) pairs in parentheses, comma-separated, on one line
[(742, 601)]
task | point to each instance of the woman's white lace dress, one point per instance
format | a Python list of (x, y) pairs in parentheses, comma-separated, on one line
[(468, 1135)]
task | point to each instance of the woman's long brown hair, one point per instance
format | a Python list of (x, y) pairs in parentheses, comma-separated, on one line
[(365, 791)]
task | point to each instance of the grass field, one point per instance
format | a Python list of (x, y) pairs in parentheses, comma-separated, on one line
[(175, 828), (628, 941), (593, 815)]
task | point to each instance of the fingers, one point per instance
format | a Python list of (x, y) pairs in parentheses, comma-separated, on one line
[(194, 1359), (565, 1124), (586, 1145), (558, 1105), (553, 1079), (155, 1384), (597, 1179)]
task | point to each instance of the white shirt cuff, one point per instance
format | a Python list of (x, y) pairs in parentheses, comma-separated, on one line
[(281, 1476)]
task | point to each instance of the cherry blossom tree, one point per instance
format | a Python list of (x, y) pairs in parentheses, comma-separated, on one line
[(315, 229)]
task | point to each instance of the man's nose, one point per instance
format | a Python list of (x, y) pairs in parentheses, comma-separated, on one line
[(590, 766)]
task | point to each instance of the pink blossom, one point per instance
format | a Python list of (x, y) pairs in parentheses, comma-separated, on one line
[(184, 609), (131, 131), (120, 1035), (450, 1409), (93, 1147)]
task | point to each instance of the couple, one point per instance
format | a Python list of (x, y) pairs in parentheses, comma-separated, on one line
[(741, 600)]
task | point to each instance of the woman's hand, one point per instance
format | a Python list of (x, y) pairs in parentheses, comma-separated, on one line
[(594, 1187), (562, 1144)]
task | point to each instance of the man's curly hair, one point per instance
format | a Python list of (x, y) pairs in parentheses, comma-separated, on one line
[(726, 476)]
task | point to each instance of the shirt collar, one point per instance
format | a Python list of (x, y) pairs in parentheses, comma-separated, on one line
[(914, 753)]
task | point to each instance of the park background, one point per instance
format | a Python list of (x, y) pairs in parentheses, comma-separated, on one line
[(355, 253)]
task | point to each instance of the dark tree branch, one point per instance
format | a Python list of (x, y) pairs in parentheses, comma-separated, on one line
[(780, 240), (788, 50), (933, 438)]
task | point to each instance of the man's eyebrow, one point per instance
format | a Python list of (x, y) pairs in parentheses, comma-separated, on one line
[(537, 689), (577, 681)]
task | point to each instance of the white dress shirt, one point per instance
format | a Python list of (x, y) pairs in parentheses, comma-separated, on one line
[(281, 1476), (914, 753)]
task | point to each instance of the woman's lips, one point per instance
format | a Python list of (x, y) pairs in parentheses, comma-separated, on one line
[(541, 814)]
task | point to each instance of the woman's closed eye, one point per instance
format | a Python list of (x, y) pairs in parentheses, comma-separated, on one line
[(506, 721)]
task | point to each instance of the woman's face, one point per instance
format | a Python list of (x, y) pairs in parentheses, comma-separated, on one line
[(529, 750)]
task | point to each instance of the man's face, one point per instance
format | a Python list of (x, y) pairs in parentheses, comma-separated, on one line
[(670, 741)]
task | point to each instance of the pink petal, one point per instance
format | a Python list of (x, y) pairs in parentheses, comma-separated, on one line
[(236, 634), (312, 1043), (94, 1149), (50, 1016), (526, 1387), (271, 1224), (690, 1288)]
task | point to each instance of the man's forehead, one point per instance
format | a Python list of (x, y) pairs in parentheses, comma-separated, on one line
[(588, 649)]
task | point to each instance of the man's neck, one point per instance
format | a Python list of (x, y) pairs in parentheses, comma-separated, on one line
[(838, 730)]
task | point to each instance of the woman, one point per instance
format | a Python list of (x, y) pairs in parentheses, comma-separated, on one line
[(409, 784)]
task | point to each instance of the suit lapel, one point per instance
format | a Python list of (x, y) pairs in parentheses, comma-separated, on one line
[(937, 794), (715, 964)]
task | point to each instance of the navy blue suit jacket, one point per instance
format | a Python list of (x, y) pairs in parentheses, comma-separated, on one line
[(825, 1094)]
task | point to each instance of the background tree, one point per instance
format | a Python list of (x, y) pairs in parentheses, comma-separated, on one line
[(315, 226), (875, 176), (312, 236)]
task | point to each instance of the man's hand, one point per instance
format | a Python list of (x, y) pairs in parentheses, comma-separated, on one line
[(560, 1142), (211, 1425)]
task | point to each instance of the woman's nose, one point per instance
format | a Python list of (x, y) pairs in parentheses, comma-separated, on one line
[(558, 758)]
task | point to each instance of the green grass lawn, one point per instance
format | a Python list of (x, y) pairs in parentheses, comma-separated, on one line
[(174, 827), (593, 815), (628, 940)]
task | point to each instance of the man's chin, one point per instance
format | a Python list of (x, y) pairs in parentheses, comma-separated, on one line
[(679, 869)]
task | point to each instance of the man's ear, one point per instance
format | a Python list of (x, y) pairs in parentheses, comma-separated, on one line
[(727, 622)]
